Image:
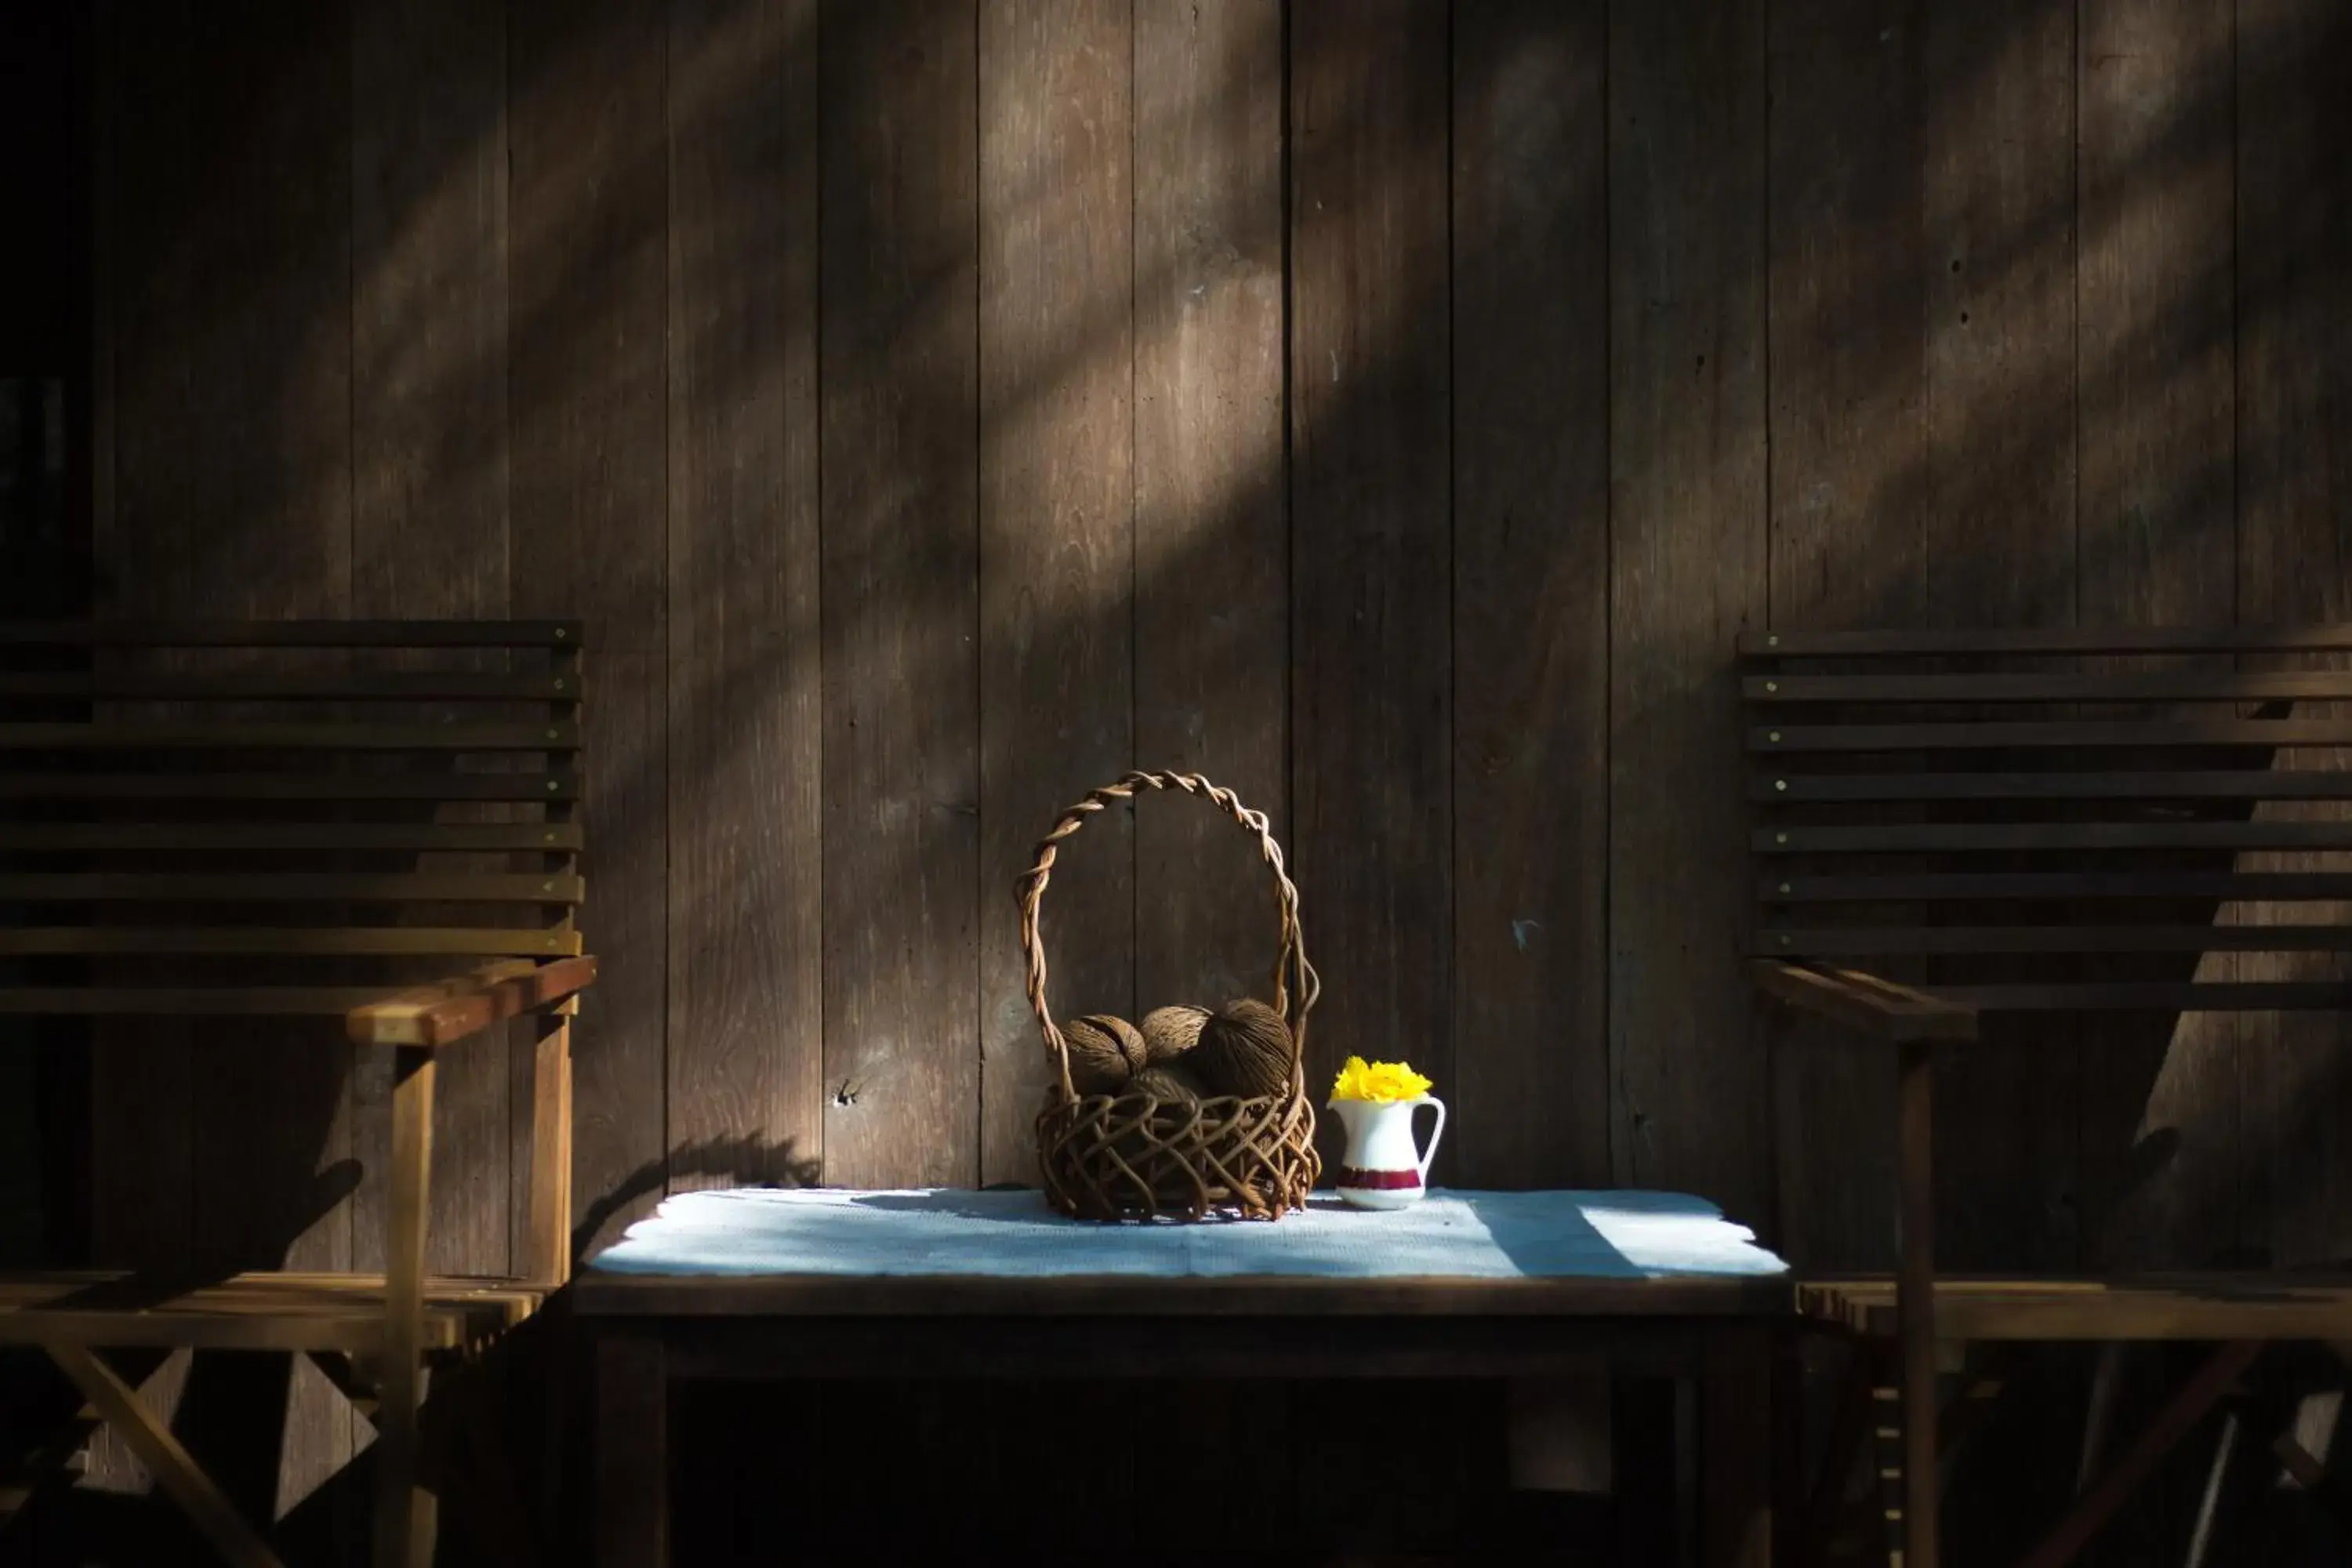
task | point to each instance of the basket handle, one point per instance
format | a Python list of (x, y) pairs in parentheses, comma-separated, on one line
[(1296, 986)]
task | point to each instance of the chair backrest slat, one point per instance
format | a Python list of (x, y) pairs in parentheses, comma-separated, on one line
[(2007, 641), (2069, 819), (286, 817), (243, 634), (1790, 785), (551, 785)]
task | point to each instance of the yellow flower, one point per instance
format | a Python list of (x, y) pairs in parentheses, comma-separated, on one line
[(1378, 1080)]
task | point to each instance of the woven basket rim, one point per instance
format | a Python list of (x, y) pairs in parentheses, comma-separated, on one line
[(1295, 984)]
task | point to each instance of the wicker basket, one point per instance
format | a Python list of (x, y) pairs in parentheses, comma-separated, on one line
[(1134, 1156)]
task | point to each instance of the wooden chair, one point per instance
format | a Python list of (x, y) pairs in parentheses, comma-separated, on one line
[(365, 821), (2042, 821)]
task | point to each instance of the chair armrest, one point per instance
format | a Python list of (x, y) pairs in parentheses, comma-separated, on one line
[(1879, 1009), (451, 1010)]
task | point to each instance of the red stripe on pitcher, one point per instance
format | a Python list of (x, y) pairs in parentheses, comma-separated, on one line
[(1377, 1181)]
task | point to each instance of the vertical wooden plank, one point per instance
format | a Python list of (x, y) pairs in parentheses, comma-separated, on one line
[(2000, 269), (429, 431), (2157, 546), (589, 200), (1848, 475), (1056, 521), (1532, 574), (1372, 589), (1847, 315), (543, 1241), (899, 412), (1211, 529), (618, 1168), (745, 1058), (429, 313), (264, 512), (142, 1128), (429, 484), (1686, 170), (139, 1143), (404, 1516), (2294, 309), (1212, 526)]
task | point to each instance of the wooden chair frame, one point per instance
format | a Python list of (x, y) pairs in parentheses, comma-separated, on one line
[(374, 1334), (1806, 970)]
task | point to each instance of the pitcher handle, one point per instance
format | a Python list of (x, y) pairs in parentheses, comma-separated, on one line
[(1434, 1133)]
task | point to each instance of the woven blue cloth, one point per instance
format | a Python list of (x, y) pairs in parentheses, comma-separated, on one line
[(1452, 1235)]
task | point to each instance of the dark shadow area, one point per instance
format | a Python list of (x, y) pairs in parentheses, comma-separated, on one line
[(495, 1430), (1203, 1484)]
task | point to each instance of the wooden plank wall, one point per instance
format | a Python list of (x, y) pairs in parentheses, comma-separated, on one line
[(1391, 407)]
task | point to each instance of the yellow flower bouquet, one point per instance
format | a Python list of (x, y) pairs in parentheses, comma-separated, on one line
[(1383, 1082)]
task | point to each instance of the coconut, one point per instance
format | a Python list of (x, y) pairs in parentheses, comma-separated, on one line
[(1169, 1032), (1106, 1052), (1244, 1049)]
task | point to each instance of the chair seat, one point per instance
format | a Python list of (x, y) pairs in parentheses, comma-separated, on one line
[(288, 1311), (2142, 1307)]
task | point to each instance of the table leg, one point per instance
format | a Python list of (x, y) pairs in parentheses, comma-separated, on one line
[(1736, 1448), (632, 1502)]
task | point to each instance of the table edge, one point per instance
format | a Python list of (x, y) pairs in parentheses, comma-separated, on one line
[(599, 1294)]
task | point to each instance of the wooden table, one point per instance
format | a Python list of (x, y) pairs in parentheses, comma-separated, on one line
[(711, 1310)]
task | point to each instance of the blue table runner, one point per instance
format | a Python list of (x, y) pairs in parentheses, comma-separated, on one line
[(1014, 1234)]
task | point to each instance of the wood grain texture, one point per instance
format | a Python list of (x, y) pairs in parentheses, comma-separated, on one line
[(1688, 304), (1212, 530), (1848, 474), (1863, 1003), (2159, 1307), (463, 1008), (429, 533), (589, 203), (618, 1166), (2293, 450), (1056, 521), (175, 1471), (629, 333), (1531, 570), (1998, 265), (429, 318), (245, 506), (1371, 588), (745, 1059), (900, 415), (140, 1073), (589, 200), (2157, 503)]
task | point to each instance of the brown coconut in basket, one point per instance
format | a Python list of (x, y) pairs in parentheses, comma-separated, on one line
[(1216, 1122)]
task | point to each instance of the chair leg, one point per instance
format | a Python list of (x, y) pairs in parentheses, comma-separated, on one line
[(1915, 1320), (551, 1153), (404, 1512), (175, 1470), (2172, 1423), (2200, 1540)]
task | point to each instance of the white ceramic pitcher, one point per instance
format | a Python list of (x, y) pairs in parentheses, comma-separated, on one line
[(1382, 1169)]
